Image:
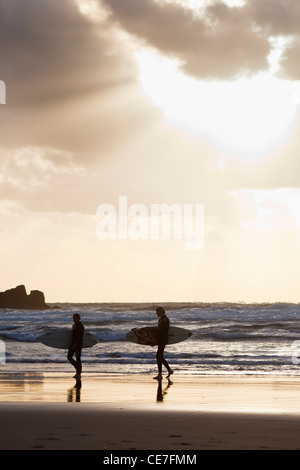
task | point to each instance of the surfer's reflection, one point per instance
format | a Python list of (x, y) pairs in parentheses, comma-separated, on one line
[(74, 392), (161, 393)]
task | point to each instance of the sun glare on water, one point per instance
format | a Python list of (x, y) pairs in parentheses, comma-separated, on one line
[(248, 116)]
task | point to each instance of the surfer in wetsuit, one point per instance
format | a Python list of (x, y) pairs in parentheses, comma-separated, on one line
[(163, 336), (76, 345)]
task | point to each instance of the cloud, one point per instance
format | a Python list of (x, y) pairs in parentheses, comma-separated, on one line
[(278, 17), (290, 61), (70, 83), (33, 167), (51, 51), (221, 44), (216, 41), (44, 179), (73, 95)]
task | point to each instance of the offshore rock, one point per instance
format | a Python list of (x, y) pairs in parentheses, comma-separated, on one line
[(18, 298)]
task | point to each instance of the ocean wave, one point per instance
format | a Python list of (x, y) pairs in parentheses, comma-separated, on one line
[(226, 337), (259, 362)]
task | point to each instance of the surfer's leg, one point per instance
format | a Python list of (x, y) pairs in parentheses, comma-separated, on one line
[(159, 359), (78, 361), (75, 363), (164, 361), (71, 352)]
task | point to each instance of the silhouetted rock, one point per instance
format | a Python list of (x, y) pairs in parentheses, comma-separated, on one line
[(18, 298), (36, 300)]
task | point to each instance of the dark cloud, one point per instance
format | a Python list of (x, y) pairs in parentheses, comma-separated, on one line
[(48, 51), (72, 87), (290, 65), (66, 79), (220, 44), (276, 17), (280, 18)]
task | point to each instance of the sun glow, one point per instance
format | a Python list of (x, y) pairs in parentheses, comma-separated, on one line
[(92, 10), (247, 117)]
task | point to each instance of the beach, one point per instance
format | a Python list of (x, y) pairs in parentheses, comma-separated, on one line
[(149, 216), (131, 413), (236, 382)]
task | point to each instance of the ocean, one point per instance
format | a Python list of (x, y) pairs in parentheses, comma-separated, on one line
[(227, 338)]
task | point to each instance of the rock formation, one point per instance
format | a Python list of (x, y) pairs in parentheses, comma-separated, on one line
[(18, 298)]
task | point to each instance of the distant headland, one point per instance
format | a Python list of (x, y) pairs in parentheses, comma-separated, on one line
[(18, 298)]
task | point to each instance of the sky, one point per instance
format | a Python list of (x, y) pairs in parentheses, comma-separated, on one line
[(187, 102)]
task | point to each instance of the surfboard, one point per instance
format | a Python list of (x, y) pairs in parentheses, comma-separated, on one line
[(148, 335), (61, 339)]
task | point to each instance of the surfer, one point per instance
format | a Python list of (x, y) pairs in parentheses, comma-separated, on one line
[(76, 345), (163, 335)]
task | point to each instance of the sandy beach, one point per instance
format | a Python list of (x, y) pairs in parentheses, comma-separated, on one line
[(46, 411)]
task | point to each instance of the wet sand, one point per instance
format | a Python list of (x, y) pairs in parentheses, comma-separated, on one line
[(46, 411)]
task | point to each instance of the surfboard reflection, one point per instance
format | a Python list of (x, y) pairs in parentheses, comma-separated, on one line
[(74, 392), (162, 392)]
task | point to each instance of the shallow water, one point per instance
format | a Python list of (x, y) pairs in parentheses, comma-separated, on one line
[(226, 338)]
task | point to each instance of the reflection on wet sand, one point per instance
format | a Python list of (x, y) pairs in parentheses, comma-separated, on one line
[(19, 385), (74, 392), (60, 387), (162, 392)]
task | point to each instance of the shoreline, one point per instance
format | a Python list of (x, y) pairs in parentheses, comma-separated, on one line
[(252, 393), (119, 412)]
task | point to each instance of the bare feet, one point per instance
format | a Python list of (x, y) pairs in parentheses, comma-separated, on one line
[(158, 377)]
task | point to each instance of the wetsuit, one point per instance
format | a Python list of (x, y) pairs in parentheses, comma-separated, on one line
[(163, 331), (76, 346)]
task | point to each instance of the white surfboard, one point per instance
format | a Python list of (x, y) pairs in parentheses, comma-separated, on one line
[(149, 335), (61, 339)]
